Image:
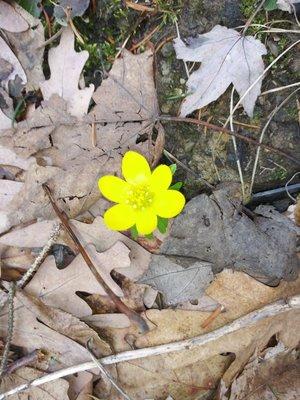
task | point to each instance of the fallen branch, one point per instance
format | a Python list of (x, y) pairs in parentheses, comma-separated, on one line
[(131, 314), (268, 311), (217, 128)]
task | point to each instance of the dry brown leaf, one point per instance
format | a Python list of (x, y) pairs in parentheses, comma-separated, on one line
[(65, 67), (191, 373), (5, 122), (266, 377), (9, 56), (57, 390), (38, 326), (8, 189), (126, 104), (116, 320), (10, 19), (37, 234), (58, 288), (81, 386), (28, 48)]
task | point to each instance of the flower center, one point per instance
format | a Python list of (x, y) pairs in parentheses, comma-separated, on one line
[(139, 197)]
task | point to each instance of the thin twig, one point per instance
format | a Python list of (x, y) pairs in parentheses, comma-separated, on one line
[(238, 163), (52, 38), (105, 372), (40, 258), (184, 62), (280, 88), (10, 327), (23, 361), (287, 188), (270, 310), (131, 314), (259, 78), (217, 128), (276, 109)]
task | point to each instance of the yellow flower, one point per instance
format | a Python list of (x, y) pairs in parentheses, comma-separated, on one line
[(141, 197)]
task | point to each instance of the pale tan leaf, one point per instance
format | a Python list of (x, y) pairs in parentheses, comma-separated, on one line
[(8, 189), (31, 335), (62, 322), (65, 67), (197, 371), (267, 377), (108, 321), (5, 122), (71, 161), (37, 234), (8, 55), (57, 390), (58, 287), (28, 48), (81, 386), (10, 19)]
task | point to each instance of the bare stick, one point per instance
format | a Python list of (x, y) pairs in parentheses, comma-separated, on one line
[(217, 128), (10, 329), (131, 314), (40, 258), (271, 310), (106, 373), (238, 163)]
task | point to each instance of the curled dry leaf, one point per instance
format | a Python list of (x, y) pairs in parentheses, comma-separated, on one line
[(227, 57), (65, 67), (10, 19), (193, 372), (264, 376), (57, 390), (31, 333), (28, 50), (126, 104), (17, 70)]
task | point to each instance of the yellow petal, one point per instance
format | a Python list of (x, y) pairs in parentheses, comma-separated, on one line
[(146, 221), (113, 188), (161, 178), (119, 217), (169, 203), (135, 168)]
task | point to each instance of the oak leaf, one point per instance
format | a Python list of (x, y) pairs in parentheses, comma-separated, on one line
[(65, 67)]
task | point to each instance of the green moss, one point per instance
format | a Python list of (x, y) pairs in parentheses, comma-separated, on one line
[(279, 174)]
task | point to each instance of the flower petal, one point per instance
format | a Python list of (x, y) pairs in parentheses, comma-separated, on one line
[(161, 178), (119, 217), (146, 221), (113, 188), (169, 203), (135, 167)]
